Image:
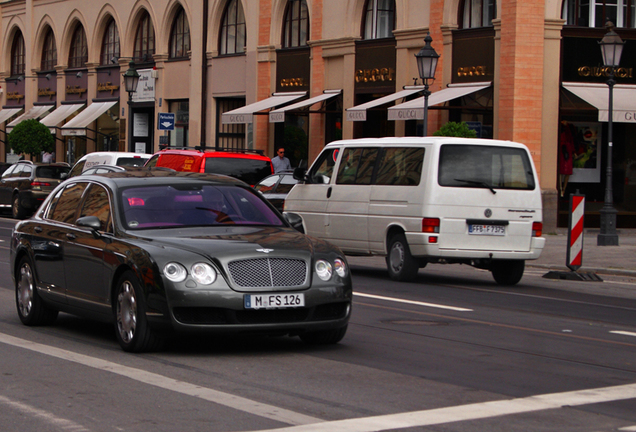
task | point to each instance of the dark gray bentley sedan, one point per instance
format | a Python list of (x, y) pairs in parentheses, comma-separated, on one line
[(159, 251)]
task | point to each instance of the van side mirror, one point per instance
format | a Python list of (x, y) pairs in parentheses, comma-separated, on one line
[(300, 174)]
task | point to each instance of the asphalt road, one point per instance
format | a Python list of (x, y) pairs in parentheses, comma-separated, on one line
[(452, 351)]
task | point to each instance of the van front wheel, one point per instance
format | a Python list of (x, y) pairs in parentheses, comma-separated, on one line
[(399, 261), (507, 272)]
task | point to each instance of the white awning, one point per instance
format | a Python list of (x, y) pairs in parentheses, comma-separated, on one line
[(7, 113), (34, 113), (414, 109), (597, 95), (59, 114), (78, 125), (245, 114), (278, 115), (359, 112)]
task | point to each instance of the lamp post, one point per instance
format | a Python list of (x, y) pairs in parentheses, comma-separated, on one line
[(426, 64), (131, 79), (611, 48)]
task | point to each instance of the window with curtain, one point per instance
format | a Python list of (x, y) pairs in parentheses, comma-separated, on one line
[(49, 52), (296, 28), (110, 43), (78, 55), (232, 40), (17, 55), (595, 13), (144, 40), (379, 19), (476, 13), (180, 36)]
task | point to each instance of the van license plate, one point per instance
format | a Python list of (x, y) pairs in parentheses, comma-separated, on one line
[(487, 230), (273, 301)]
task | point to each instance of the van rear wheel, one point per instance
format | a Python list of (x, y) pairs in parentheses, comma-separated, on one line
[(507, 272), (399, 261)]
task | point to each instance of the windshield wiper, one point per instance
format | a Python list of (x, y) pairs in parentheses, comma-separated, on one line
[(477, 183)]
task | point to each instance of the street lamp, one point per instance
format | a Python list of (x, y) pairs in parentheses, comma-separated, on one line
[(612, 48), (131, 79), (426, 63)]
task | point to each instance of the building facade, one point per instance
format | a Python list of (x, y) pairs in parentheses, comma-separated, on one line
[(259, 74)]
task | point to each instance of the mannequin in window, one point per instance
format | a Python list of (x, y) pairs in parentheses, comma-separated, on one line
[(566, 155)]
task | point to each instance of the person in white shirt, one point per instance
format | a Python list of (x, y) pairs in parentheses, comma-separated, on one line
[(47, 157), (280, 162)]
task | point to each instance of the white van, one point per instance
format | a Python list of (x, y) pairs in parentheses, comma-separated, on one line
[(425, 200), (90, 160)]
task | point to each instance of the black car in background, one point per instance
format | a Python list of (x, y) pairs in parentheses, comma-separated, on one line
[(25, 185), (155, 251), (276, 187)]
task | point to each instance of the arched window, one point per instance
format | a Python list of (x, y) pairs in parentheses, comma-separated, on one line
[(476, 13), (180, 36), (49, 52), (17, 55), (78, 55), (110, 43), (595, 13), (296, 30), (379, 19), (232, 40), (144, 40)]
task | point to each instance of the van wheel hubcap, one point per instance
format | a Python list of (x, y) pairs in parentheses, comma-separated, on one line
[(397, 257)]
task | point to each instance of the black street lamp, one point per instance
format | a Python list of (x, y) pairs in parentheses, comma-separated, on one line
[(131, 79), (426, 63), (612, 48)]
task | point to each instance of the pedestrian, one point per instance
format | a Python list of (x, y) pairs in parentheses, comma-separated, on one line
[(280, 162), (47, 157)]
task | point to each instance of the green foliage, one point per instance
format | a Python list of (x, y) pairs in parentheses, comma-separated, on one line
[(31, 137), (453, 129)]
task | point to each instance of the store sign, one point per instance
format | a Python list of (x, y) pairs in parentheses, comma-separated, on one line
[(16, 96), (375, 66), (293, 70), (473, 55), (107, 87), (146, 87), (46, 93), (583, 62)]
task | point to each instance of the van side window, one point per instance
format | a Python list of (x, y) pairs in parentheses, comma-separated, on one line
[(322, 170), (356, 166), (401, 166)]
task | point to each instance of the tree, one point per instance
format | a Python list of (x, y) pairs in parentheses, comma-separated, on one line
[(453, 129), (31, 137)]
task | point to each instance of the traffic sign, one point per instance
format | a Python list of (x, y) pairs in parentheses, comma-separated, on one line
[(166, 121)]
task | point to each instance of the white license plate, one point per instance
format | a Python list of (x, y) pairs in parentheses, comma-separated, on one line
[(487, 230), (273, 301)]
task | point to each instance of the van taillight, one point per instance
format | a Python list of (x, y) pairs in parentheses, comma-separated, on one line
[(537, 229), (430, 225)]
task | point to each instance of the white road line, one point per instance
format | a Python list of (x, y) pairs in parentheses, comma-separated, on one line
[(624, 333), (242, 404), (627, 428), (474, 411), (46, 416), (413, 302)]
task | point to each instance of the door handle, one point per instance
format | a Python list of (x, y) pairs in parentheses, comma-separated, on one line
[(71, 236), (37, 229), (329, 192)]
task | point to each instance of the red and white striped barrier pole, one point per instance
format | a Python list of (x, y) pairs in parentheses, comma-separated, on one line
[(575, 232)]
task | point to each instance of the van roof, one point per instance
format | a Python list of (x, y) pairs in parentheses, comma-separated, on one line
[(431, 140)]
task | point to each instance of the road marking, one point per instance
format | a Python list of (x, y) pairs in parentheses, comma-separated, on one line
[(413, 302), (627, 428), (624, 333), (242, 404), (46, 416), (469, 412)]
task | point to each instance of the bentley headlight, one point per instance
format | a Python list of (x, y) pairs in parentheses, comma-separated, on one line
[(175, 272), (323, 270), (203, 273), (340, 267)]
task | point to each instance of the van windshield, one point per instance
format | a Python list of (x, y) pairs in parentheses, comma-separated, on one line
[(489, 167)]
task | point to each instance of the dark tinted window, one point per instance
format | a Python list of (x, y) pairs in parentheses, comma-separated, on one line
[(63, 210), (97, 204), (400, 166), (485, 166), (357, 165), (322, 170), (131, 161), (152, 162), (251, 171), (51, 172)]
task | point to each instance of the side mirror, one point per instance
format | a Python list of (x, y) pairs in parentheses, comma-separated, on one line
[(299, 174), (295, 221), (91, 222)]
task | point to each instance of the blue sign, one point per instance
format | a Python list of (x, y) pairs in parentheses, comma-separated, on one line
[(165, 121)]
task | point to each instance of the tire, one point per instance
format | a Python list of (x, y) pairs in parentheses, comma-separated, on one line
[(131, 326), (399, 261), (17, 210), (324, 337), (31, 308), (507, 272)]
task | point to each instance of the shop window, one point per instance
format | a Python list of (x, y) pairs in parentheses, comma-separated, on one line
[(229, 136), (78, 55), (232, 40), (144, 40), (110, 43), (49, 52), (477, 13), (17, 55), (179, 137), (379, 19), (595, 13), (296, 29), (180, 36)]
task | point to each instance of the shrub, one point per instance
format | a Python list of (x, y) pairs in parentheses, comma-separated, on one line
[(31, 137), (453, 129)]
